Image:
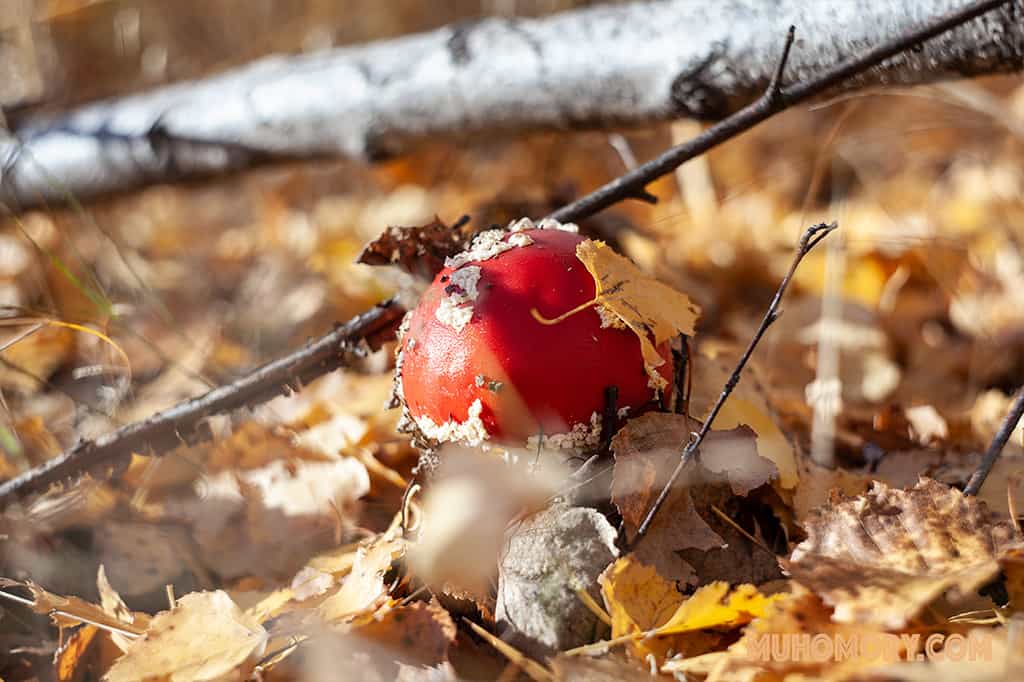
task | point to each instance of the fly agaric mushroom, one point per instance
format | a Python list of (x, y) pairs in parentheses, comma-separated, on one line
[(490, 354)]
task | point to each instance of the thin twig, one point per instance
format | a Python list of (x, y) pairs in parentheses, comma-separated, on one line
[(682, 375), (996, 447), (166, 430), (609, 417), (811, 238), (775, 99)]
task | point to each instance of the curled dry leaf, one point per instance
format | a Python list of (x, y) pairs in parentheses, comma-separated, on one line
[(883, 556), (419, 251), (69, 611), (363, 589), (651, 309), (204, 637)]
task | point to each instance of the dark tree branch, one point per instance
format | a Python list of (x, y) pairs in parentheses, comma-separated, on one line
[(168, 429), (773, 101), (996, 447), (811, 238)]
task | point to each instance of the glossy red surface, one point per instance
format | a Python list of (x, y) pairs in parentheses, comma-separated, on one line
[(551, 377)]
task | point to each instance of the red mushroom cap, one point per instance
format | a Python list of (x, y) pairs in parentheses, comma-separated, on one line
[(473, 338)]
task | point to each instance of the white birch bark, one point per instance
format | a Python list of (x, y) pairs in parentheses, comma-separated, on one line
[(603, 66)]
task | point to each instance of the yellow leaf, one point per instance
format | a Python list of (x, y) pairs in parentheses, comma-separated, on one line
[(646, 306), (649, 614), (636, 597), (706, 608), (204, 637)]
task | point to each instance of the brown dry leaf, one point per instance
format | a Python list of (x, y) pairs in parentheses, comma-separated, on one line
[(35, 357), (651, 309), (204, 637), (882, 557), (363, 589), (417, 634), (419, 250), (73, 657), (1012, 564), (111, 602), (69, 611), (748, 405), (686, 530)]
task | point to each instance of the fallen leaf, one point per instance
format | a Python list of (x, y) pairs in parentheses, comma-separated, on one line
[(35, 357), (363, 589), (715, 606), (647, 607), (882, 557), (791, 615), (1012, 564), (204, 637), (651, 309), (111, 602), (419, 250), (747, 405), (69, 611), (417, 634), (687, 531)]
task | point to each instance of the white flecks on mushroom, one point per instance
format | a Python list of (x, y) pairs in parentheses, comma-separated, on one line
[(397, 397), (456, 308), (583, 436), (471, 432), (543, 224), (491, 243), (518, 239), (550, 224), (654, 380), (486, 245)]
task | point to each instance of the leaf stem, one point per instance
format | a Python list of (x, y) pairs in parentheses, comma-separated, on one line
[(564, 316)]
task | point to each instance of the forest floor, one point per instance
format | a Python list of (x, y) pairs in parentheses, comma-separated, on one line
[(279, 544)]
